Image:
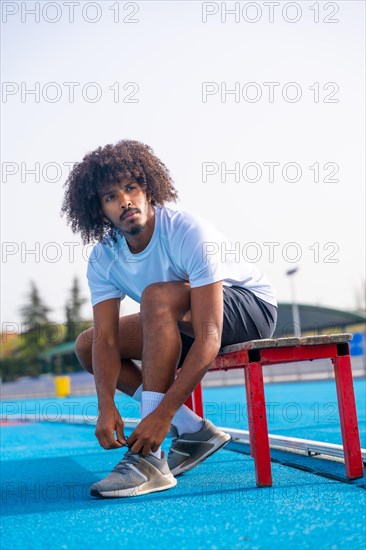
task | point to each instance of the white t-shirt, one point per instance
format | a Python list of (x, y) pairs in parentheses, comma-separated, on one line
[(183, 247)]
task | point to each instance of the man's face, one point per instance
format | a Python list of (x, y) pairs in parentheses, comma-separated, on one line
[(126, 206)]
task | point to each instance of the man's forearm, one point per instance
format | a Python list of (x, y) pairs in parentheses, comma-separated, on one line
[(106, 368), (194, 368)]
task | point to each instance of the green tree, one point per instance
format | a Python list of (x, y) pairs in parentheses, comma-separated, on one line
[(35, 312), (36, 335), (74, 323)]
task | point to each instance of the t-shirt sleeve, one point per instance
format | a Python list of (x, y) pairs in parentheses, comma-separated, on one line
[(199, 253), (100, 287)]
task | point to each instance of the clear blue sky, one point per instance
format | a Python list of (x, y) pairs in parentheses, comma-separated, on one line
[(169, 53)]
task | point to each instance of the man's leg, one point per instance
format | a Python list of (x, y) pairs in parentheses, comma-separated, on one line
[(165, 311), (130, 377), (163, 306), (154, 336), (161, 348), (130, 343)]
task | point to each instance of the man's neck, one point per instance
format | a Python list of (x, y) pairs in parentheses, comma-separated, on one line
[(138, 243)]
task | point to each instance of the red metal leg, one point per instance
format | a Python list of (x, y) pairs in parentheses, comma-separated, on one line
[(348, 416), (189, 402), (197, 400), (194, 401), (250, 419), (259, 429)]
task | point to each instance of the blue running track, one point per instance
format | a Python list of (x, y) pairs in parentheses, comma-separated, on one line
[(47, 469)]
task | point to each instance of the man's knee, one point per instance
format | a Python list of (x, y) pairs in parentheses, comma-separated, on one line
[(154, 297), (166, 297), (83, 350)]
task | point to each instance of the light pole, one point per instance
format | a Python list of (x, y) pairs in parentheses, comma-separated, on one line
[(295, 307)]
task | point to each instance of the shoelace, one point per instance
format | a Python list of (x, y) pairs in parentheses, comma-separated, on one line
[(129, 458), (174, 440)]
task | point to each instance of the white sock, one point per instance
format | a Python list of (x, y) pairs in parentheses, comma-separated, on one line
[(150, 400), (137, 394), (185, 420)]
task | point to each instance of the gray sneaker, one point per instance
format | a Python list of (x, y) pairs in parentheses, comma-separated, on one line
[(135, 475), (188, 450)]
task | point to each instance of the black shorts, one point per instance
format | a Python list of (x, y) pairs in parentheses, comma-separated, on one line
[(246, 317)]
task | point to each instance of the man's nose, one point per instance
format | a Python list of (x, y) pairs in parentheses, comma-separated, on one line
[(124, 200)]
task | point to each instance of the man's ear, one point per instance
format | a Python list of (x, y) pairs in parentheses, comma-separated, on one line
[(105, 220)]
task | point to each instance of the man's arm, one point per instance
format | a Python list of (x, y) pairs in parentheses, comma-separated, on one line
[(106, 368), (207, 319)]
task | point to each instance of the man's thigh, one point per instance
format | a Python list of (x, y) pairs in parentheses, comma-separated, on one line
[(175, 297), (130, 336), (175, 293), (245, 318), (130, 339)]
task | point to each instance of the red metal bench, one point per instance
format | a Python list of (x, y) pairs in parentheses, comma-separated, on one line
[(251, 356)]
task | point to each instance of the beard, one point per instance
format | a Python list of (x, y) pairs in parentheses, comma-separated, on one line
[(136, 229)]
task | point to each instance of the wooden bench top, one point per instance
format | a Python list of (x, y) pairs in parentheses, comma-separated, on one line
[(291, 341)]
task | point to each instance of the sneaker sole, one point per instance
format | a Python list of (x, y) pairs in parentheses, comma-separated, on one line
[(143, 489), (219, 441)]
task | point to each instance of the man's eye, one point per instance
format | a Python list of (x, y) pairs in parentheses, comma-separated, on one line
[(130, 187), (109, 197)]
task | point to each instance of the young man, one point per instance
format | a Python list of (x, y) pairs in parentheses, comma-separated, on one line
[(195, 298)]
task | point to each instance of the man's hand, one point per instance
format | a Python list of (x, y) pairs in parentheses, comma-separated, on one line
[(110, 421), (149, 434)]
